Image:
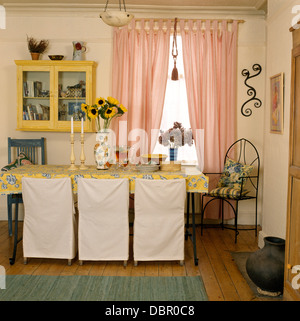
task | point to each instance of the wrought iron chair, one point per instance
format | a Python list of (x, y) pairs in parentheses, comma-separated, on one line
[(238, 182), (32, 148)]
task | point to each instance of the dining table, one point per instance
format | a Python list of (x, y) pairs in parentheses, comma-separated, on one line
[(196, 182)]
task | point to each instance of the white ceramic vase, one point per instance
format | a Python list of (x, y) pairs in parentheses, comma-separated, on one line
[(103, 149)]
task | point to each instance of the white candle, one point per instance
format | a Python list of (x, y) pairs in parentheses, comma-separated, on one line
[(72, 130), (82, 125)]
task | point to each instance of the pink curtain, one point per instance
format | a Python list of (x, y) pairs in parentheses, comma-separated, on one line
[(210, 66), (140, 71)]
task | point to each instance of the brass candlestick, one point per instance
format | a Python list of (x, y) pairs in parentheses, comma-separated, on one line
[(72, 157), (82, 156)]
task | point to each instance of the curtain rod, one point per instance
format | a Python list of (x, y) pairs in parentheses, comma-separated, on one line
[(186, 20)]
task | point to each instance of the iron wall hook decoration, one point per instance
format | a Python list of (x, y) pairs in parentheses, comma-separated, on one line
[(251, 91)]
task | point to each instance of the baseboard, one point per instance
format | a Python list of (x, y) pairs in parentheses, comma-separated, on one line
[(3, 213), (261, 236)]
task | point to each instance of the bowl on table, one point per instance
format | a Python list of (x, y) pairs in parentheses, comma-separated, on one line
[(154, 158)]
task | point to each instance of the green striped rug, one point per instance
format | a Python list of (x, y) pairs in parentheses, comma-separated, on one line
[(102, 288)]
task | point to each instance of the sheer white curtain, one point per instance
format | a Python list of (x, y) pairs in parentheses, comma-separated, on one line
[(176, 108)]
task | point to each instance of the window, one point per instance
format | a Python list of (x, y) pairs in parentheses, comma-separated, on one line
[(176, 108)]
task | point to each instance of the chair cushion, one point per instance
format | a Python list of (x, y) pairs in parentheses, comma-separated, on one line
[(232, 173), (22, 159), (227, 192)]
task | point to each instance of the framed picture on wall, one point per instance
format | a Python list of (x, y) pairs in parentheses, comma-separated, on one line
[(276, 114)]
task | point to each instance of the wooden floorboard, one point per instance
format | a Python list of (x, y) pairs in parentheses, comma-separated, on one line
[(221, 277)]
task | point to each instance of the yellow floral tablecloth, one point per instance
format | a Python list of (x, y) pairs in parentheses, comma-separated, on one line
[(11, 181)]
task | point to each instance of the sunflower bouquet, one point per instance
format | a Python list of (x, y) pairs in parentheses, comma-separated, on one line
[(107, 109)]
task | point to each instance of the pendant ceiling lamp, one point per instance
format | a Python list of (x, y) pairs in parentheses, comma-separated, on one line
[(175, 52), (115, 18)]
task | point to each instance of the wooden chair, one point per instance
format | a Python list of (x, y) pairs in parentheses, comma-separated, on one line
[(159, 220), (238, 182), (34, 149), (103, 224), (49, 221)]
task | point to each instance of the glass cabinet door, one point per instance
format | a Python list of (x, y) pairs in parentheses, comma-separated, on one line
[(36, 95), (50, 93), (71, 94)]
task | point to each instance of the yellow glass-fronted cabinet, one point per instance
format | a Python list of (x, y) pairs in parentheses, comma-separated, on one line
[(49, 93)]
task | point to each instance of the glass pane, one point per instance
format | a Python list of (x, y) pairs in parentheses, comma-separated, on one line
[(71, 94), (36, 95)]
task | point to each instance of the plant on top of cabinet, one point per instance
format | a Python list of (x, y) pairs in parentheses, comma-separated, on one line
[(36, 48)]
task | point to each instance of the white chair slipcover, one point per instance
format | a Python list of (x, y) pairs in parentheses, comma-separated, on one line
[(159, 220), (103, 229), (49, 220)]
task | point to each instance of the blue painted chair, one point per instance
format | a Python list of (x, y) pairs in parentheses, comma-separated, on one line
[(34, 149)]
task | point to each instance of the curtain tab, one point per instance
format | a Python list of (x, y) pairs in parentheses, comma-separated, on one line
[(160, 24), (199, 25), (168, 24), (224, 25), (234, 26), (132, 24), (207, 25), (215, 24), (151, 24)]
